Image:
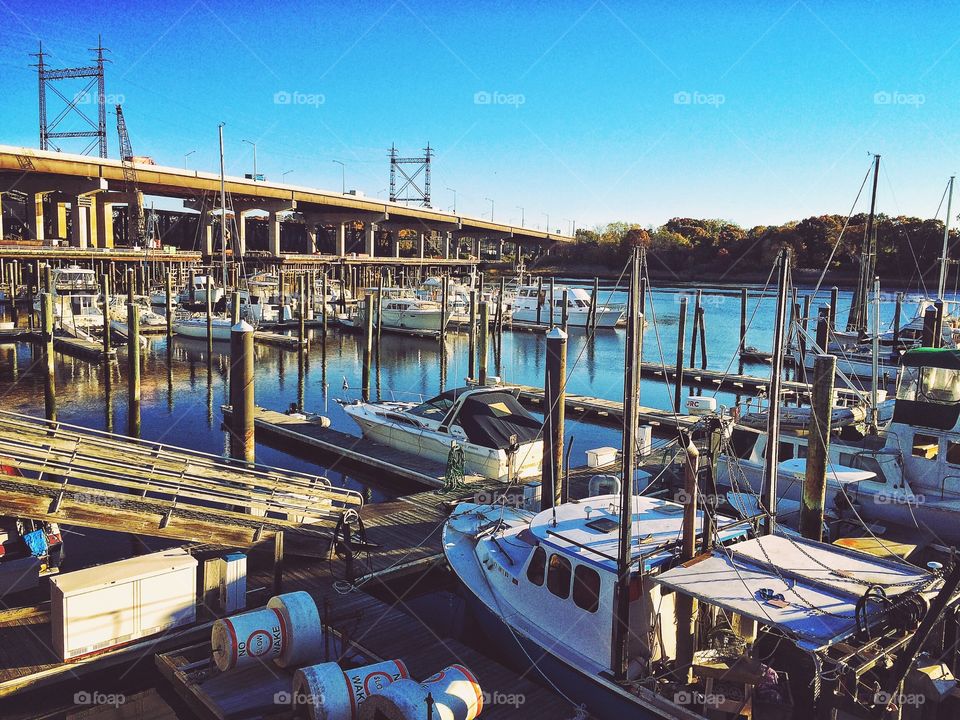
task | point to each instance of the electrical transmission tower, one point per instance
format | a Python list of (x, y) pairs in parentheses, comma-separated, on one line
[(72, 104), (410, 191)]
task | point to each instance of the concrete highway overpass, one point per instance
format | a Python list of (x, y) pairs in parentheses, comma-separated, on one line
[(88, 187)]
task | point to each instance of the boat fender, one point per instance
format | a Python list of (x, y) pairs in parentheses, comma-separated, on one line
[(330, 693)]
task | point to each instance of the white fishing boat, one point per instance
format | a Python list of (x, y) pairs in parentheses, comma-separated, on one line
[(499, 438), (197, 294), (117, 312), (532, 305), (401, 312), (74, 279)]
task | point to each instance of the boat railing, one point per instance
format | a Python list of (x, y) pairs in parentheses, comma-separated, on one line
[(943, 485)]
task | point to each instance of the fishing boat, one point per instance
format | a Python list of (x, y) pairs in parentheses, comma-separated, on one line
[(499, 438), (532, 306), (76, 304), (197, 293), (117, 312)]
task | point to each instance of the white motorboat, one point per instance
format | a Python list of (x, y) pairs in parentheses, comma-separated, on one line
[(401, 312), (532, 305), (117, 312), (195, 326), (499, 438), (197, 294)]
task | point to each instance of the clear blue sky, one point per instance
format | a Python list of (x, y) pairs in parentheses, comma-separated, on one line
[(786, 99)]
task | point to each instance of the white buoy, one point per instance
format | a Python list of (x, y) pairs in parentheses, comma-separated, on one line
[(287, 631), (302, 619), (330, 693), (455, 691)]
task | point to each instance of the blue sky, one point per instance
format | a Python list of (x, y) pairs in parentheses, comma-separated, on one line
[(597, 111)]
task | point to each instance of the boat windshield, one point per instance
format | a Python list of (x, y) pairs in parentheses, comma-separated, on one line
[(930, 384), (435, 409)]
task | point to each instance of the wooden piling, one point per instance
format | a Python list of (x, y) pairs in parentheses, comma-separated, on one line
[(500, 308), (804, 327), (105, 281), (894, 351), (367, 345), (133, 360), (14, 314), (818, 448), (678, 382), (323, 300), (554, 382), (483, 343), (379, 311), (743, 319), (686, 604), (472, 336), (834, 299), (242, 402), (444, 309), (168, 290), (302, 310), (594, 301), (193, 288), (702, 325), (209, 314), (539, 299), (553, 304), (695, 330), (234, 309), (565, 312), (50, 384)]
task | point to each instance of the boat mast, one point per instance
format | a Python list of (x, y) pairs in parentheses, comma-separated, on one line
[(946, 236), (223, 217), (857, 319), (631, 399), (875, 362), (771, 459)]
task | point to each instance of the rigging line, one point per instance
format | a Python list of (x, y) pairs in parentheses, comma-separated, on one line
[(843, 230), (857, 387), (753, 315)]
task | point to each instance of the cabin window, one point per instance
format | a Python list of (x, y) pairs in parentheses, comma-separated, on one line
[(786, 451), (537, 566), (953, 452), (586, 588), (742, 442), (926, 446), (863, 462), (558, 576)]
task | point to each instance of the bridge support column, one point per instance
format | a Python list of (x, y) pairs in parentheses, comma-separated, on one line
[(446, 245), (207, 235), (370, 240), (61, 229), (341, 240), (394, 244), (500, 250), (78, 223), (475, 245), (421, 244), (104, 212), (311, 247), (274, 223), (240, 247), (35, 216), (1, 216)]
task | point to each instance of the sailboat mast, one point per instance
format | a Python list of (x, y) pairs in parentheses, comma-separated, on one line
[(857, 319), (631, 392), (223, 217), (771, 460), (875, 361), (946, 237)]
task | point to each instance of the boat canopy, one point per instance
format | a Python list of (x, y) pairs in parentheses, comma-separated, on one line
[(496, 420), (811, 591), (946, 358)]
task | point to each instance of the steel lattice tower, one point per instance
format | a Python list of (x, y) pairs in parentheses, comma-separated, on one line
[(414, 193), (47, 77)]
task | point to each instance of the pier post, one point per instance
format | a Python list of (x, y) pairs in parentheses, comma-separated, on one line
[(311, 295), (695, 330), (539, 299), (242, 445), (169, 306), (824, 323), (804, 326), (929, 327), (500, 309), (896, 326), (444, 310), (938, 326), (834, 299), (14, 315), (483, 343), (234, 311), (743, 320), (379, 311), (818, 448), (678, 382), (594, 304), (193, 287), (472, 336), (685, 604), (302, 309), (552, 303), (367, 345), (50, 385), (209, 314), (565, 312), (133, 360), (105, 281), (324, 303), (554, 384), (702, 325)]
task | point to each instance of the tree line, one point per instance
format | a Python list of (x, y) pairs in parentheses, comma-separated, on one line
[(908, 248)]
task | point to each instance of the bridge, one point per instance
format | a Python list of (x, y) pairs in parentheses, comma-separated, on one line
[(89, 187)]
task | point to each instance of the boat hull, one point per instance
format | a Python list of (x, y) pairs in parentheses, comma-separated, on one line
[(605, 318), (198, 329)]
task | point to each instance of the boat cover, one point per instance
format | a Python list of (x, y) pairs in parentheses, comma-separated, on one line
[(492, 419)]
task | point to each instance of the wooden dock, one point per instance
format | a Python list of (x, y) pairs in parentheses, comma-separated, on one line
[(76, 347), (355, 452), (75, 476)]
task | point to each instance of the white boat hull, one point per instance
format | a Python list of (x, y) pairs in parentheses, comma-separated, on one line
[(198, 329), (605, 318)]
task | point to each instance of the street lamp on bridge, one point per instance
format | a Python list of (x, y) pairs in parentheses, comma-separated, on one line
[(250, 142), (343, 177), (491, 208)]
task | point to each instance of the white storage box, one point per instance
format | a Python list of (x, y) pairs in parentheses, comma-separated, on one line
[(601, 456), (112, 604)]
